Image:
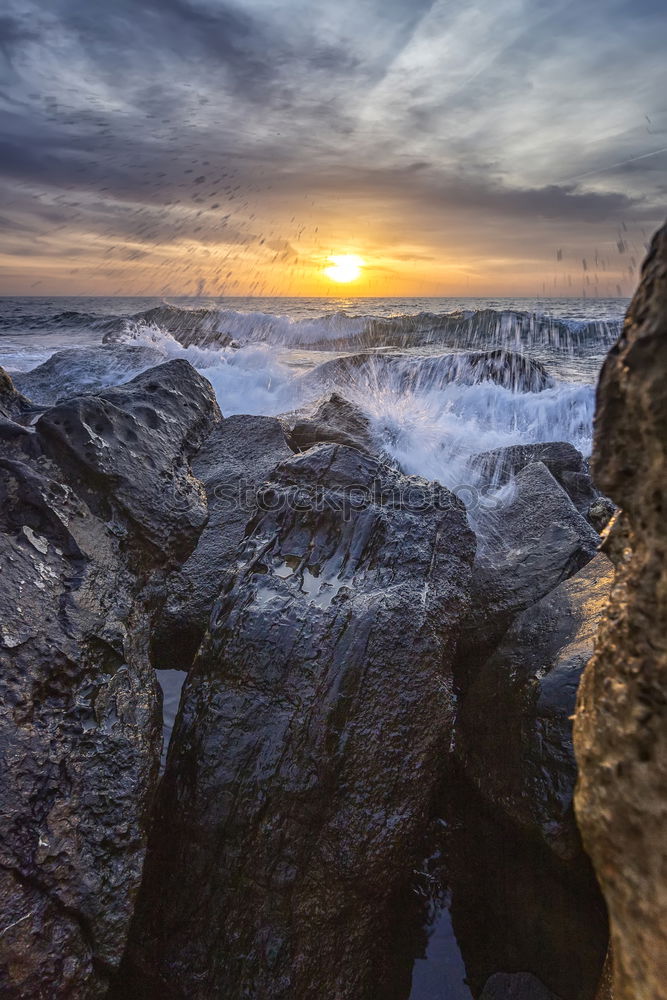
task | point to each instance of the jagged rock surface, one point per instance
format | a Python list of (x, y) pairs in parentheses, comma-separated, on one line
[(621, 719), (80, 727), (311, 732), (236, 459), (514, 732)]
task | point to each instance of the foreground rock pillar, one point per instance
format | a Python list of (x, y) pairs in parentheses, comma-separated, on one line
[(310, 737), (621, 721)]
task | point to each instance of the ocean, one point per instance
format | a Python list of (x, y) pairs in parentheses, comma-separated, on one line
[(266, 356)]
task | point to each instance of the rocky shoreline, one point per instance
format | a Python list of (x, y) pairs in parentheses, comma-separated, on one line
[(370, 681)]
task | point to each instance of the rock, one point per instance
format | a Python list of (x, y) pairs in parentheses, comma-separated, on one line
[(84, 369), (514, 734), (334, 420), (528, 546), (12, 403), (134, 441), (187, 326), (311, 732), (235, 460), (515, 986), (564, 462), (509, 369), (621, 720), (80, 731), (502, 464), (600, 513)]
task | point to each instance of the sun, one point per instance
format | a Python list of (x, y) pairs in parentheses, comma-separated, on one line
[(344, 267)]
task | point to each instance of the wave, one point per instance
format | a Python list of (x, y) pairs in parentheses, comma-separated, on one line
[(207, 327)]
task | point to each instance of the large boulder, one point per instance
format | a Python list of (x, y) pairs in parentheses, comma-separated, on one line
[(529, 543), (134, 442), (80, 730), (312, 729), (621, 720), (84, 369), (514, 732), (236, 459)]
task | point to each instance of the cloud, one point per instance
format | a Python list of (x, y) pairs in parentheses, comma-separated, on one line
[(292, 121)]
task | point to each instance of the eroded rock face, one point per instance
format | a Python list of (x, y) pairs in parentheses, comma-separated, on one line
[(310, 736), (80, 727), (514, 732), (621, 722), (236, 459)]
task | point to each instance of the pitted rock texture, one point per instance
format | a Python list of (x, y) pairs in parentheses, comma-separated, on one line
[(80, 727), (311, 733), (621, 721)]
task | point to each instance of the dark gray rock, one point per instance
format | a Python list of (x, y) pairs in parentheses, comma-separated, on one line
[(502, 464), (334, 420), (509, 369), (233, 463), (85, 369), (312, 730), (514, 732), (515, 986), (80, 729), (564, 462), (528, 546), (134, 442)]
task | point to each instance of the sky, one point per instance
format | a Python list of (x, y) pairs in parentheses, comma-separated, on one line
[(203, 147)]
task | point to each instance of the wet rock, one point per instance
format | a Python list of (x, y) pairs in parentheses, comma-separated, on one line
[(514, 733), (335, 420), (311, 732), (80, 730), (501, 464), (528, 545), (84, 369), (233, 463), (508, 369), (621, 720), (134, 442), (564, 462), (187, 326), (515, 986)]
